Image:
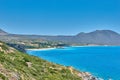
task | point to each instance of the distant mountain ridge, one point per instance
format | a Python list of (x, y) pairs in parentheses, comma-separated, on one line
[(102, 37), (100, 32), (98, 37), (3, 32)]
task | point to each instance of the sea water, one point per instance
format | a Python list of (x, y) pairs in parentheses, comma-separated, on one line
[(101, 61)]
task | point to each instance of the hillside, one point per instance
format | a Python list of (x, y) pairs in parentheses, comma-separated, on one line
[(3, 32), (98, 37), (15, 65)]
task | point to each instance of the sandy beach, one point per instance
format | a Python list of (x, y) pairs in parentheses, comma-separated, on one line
[(41, 49)]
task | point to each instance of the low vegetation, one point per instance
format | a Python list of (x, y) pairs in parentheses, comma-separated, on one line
[(15, 65)]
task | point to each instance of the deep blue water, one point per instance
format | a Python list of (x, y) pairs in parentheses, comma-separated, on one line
[(100, 61)]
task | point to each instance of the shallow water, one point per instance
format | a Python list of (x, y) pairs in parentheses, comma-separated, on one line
[(100, 61)]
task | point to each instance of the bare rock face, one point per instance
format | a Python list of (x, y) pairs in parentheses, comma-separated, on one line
[(29, 64), (83, 75)]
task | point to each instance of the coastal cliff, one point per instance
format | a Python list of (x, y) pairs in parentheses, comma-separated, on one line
[(15, 65)]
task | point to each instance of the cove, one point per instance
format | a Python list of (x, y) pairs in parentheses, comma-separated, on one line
[(101, 61)]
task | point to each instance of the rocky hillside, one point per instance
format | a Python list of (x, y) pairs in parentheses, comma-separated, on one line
[(15, 65)]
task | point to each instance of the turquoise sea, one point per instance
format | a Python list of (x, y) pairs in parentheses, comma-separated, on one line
[(101, 61)]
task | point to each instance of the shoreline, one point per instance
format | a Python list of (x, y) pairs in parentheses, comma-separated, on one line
[(85, 75), (97, 46), (71, 46), (40, 49)]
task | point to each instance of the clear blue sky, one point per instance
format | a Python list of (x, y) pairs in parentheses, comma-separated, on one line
[(59, 17)]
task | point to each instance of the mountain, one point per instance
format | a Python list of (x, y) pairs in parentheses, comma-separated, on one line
[(101, 37), (3, 32), (98, 37)]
